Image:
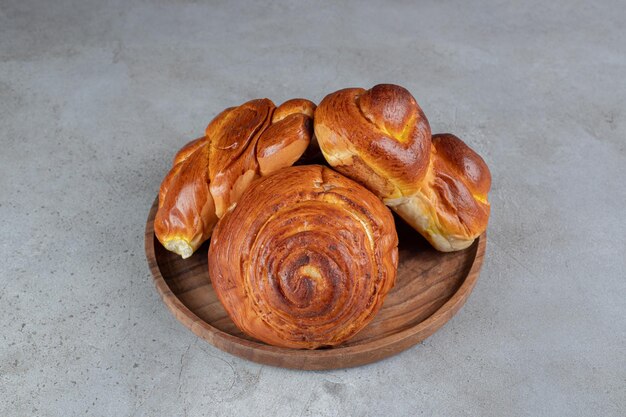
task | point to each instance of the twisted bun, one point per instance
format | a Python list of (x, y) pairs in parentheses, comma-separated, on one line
[(382, 139), (210, 173), (186, 214)]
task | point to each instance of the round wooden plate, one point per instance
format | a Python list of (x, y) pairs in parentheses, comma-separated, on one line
[(431, 287)]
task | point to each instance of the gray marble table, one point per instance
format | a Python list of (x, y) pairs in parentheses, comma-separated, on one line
[(96, 96)]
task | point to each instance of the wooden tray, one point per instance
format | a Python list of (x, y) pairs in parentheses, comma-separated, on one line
[(431, 287)]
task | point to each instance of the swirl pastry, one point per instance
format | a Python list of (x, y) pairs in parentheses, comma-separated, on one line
[(305, 259), (381, 138), (210, 173)]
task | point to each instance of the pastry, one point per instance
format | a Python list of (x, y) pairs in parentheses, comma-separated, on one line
[(305, 258), (210, 173), (381, 138)]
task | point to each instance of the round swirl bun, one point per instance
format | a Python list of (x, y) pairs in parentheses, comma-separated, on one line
[(305, 259)]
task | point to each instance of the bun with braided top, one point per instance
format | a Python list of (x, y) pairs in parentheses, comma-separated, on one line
[(210, 174), (381, 138)]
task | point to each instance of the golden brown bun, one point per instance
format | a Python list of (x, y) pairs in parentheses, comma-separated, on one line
[(246, 142), (210, 173), (186, 214), (451, 209), (305, 259), (381, 138)]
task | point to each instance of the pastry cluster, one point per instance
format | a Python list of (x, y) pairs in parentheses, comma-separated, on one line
[(303, 256)]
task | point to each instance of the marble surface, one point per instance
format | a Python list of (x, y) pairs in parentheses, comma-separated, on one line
[(96, 97)]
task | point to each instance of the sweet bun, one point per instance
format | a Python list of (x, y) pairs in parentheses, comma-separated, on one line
[(210, 174), (382, 139), (305, 259)]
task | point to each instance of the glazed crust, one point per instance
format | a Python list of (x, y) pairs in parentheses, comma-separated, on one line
[(462, 181), (210, 173), (305, 259), (186, 214), (381, 138)]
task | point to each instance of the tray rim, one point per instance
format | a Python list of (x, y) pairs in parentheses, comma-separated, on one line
[(325, 359)]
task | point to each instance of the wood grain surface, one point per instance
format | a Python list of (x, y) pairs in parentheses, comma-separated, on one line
[(431, 287)]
